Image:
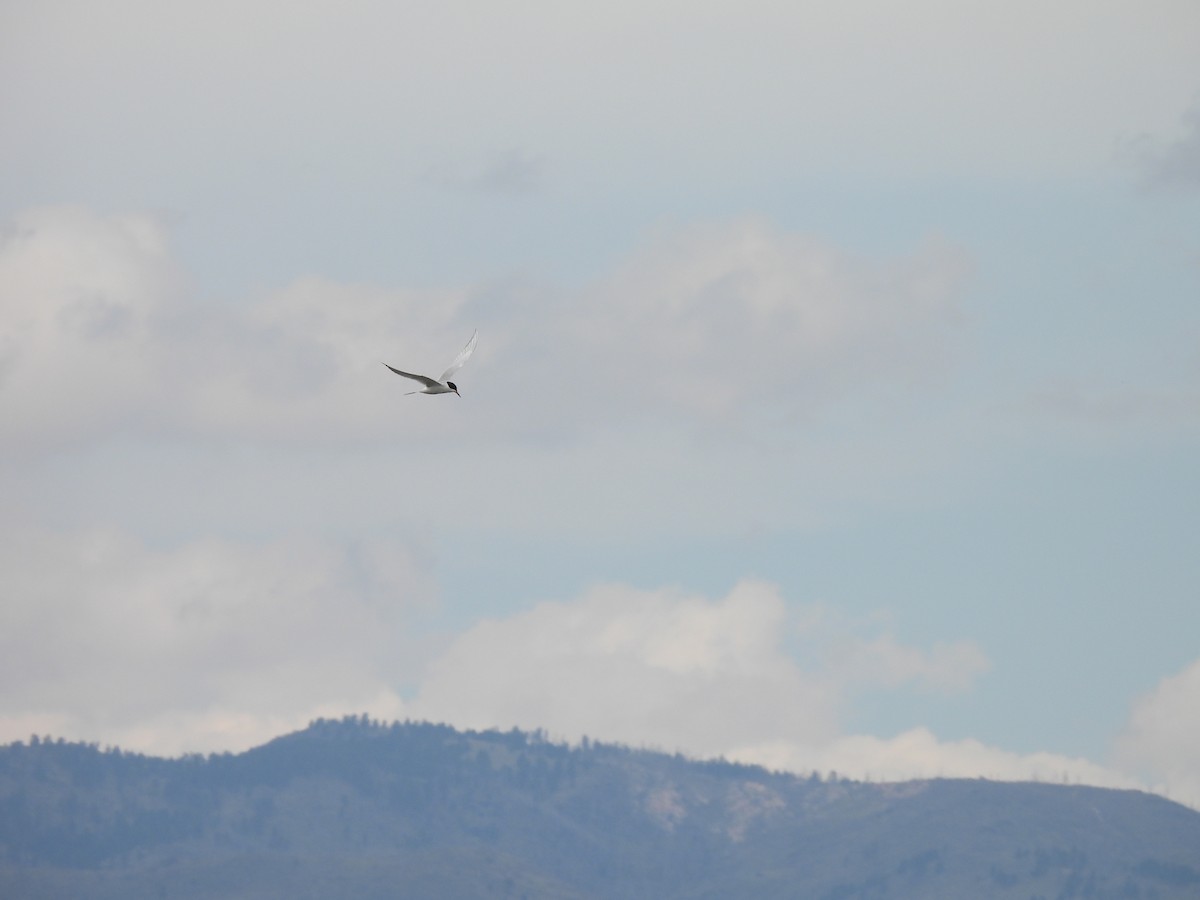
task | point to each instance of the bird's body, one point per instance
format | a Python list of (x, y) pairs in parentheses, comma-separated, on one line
[(443, 385)]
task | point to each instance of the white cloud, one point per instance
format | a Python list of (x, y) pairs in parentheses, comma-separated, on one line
[(646, 667), (201, 645), (762, 84), (918, 753), (304, 363), (1173, 163), (212, 646), (713, 678), (81, 297), (713, 319), (511, 173), (1162, 737), (881, 660), (678, 671), (1098, 407), (97, 334)]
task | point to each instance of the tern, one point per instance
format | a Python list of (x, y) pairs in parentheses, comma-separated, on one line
[(443, 385)]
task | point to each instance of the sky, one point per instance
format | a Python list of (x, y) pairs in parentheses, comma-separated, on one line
[(836, 404)]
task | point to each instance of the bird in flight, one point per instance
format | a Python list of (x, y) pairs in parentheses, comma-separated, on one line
[(442, 385)]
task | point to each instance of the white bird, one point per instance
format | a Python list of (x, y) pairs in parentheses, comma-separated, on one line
[(443, 385)]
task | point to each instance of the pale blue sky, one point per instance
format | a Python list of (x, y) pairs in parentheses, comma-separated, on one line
[(836, 405)]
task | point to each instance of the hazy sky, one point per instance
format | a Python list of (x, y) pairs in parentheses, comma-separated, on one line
[(836, 405)]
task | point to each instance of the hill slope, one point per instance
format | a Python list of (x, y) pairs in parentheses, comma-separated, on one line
[(358, 809)]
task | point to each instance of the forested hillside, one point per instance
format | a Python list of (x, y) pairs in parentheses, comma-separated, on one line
[(358, 809)]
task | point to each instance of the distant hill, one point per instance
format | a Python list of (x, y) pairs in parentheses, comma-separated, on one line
[(357, 809)]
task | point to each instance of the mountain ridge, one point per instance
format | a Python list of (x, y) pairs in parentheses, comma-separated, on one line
[(357, 808)]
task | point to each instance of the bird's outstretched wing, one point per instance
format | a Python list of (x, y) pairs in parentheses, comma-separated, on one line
[(461, 358), (428, 382)]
